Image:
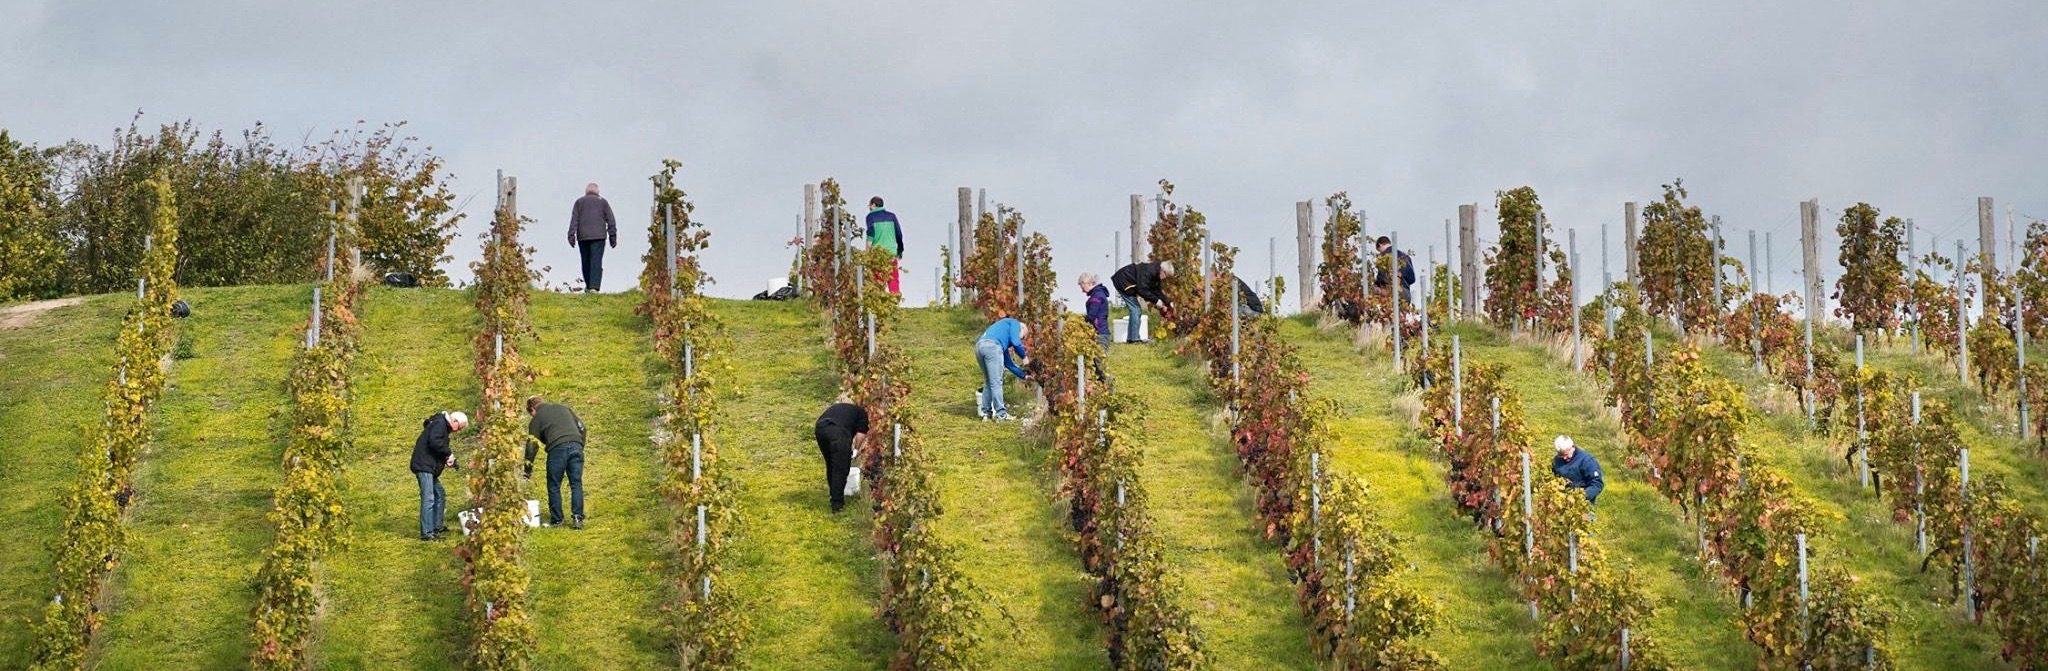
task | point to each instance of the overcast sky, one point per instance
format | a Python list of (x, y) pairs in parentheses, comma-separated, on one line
[(1063, 109)]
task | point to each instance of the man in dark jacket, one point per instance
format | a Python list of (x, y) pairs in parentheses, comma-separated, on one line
[(590, 225), (885, 232), (1142, 281), (431, 454), (842, 425), (1379, 273), (557, 428), (1578, 468), (1098, 307)]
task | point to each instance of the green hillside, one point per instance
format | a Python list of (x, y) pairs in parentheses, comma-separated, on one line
[(182, 595)]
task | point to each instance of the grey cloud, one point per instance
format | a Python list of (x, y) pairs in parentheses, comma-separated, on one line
[(1065, 108)]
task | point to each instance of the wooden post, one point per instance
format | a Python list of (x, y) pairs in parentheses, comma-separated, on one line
[(1137, 229), (668, 232), (1309, 294), (1606, 276), (313, 329), (1235, 329), (1571, 239), (810, 213), (964, 203), (1628, 242), (353, 215), (332, 209), (1987, 238), (1770, 253), (1962, 320), (1714, 265), (1969, 562), (2020, 330), (1809, 245), (1862, 432), (1919, 490), (1540, 255), (1468, 258), (1912, 274), (1272, 257), (1394, 293), (1457, 384), (1450, 307), (1756, 325)]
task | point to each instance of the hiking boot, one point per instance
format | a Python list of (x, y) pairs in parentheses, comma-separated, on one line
[(1005, 417), (576, 523), (440, 531)]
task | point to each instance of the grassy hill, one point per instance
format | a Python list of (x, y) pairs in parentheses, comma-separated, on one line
[(182, 595)]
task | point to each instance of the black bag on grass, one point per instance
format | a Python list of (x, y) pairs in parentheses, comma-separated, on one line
[(401, 280)]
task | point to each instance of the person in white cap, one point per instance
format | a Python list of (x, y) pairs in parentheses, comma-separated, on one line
[(430, 454), (1578, 468)]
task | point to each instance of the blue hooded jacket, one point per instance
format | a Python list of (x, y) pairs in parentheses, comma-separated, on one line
[(1098, 308), (1581, 472)]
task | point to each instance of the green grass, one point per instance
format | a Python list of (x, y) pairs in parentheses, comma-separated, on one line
[(1237, 581), (183, 595), (55, 368), (996, 488), (1930, 632), (393, 601), (1696, 617), (809, 577), (1483, 624), (597, 592)]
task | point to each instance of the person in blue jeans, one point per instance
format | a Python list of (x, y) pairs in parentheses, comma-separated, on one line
[(1144, 281), (992, 351), (431, 454), (557, 428)]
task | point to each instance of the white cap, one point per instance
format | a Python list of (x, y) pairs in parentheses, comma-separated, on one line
[(456, 417), (1563, 443)]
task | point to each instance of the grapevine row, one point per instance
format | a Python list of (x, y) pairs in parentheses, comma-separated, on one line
[(307, 510), (1346, 562), (1684, 423), (710, 624), (927, 600), (1596, 610), (1140, 595), (1919, 449), (91, 541), (496, 577)]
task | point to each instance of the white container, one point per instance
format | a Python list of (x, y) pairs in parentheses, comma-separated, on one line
[(469, 520), (852, 480), (777, 283), (1120, 328), (980, 404), (533, 512)]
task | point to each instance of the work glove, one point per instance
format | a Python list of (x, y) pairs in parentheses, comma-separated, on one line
[(615, 241)]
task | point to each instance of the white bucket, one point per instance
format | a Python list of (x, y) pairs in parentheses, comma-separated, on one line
[(1120, 328), (469, 520), (533, 512)]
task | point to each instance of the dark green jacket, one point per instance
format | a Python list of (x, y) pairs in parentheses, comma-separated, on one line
[(552, 425)]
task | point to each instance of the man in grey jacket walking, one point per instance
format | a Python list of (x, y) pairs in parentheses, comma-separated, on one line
[(590, 225)]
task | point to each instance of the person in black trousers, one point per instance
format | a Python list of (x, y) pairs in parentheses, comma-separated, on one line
[(590, 225), (837, 430)]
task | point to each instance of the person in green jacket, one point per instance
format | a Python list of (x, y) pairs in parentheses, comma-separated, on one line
[(557, 428), (886, 233)]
